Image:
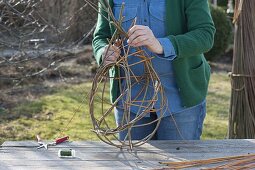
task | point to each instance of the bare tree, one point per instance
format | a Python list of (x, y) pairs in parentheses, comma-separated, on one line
[(32, 30)]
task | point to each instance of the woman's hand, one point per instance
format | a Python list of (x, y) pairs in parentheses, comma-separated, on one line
[(140, 35), (111, 55)]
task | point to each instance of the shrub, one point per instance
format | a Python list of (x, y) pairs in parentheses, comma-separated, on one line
[(223, 4), (223, 34)]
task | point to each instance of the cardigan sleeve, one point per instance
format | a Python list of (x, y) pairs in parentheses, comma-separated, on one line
[(199, 37), (101, 34)]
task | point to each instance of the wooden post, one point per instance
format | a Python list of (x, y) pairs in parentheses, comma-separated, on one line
[(242, 108)]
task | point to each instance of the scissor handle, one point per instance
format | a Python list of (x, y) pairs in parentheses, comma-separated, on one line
[(60, 140), (42, 145)]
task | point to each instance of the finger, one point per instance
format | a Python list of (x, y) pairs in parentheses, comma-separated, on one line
[(136, 34), (112, 54), (140, 41), (107, 62), (109, 59), (115, 48), (135, 28), (117, 43), (110, 51)]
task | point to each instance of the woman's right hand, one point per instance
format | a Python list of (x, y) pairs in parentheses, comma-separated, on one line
[(111, 54)]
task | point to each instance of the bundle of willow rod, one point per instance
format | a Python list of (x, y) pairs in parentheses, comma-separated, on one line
[(99, 92), (232, 162), (242, 109)]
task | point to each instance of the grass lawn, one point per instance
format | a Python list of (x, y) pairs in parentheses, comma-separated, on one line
[(218, 102), (52, 112)]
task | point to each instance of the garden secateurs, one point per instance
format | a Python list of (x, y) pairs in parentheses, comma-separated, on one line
[(46, 145)]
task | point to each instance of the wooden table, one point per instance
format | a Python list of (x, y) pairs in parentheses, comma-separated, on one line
[(97, 155)]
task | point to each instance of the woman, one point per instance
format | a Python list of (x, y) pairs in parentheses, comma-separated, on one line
[(177, 32)]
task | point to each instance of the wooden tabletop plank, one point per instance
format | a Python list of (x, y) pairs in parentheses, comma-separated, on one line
[(113, 156), (151, 144), (69, 164), (173, 147), (98, 155)]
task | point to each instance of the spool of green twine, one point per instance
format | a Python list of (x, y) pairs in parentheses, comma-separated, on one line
[(66, 153)]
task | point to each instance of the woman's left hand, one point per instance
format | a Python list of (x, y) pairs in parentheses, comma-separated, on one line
[(140, 35)]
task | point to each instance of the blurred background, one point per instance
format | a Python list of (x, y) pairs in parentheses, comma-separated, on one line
[(47, 64)]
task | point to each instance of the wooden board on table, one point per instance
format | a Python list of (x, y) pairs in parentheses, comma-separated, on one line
[(98, 155)]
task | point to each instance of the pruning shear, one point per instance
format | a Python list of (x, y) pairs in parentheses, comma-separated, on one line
[(46, 145)]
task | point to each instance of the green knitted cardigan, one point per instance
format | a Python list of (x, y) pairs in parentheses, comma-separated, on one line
[(191, 31)]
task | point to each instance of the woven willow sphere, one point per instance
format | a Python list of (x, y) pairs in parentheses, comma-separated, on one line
[(102, 110)]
